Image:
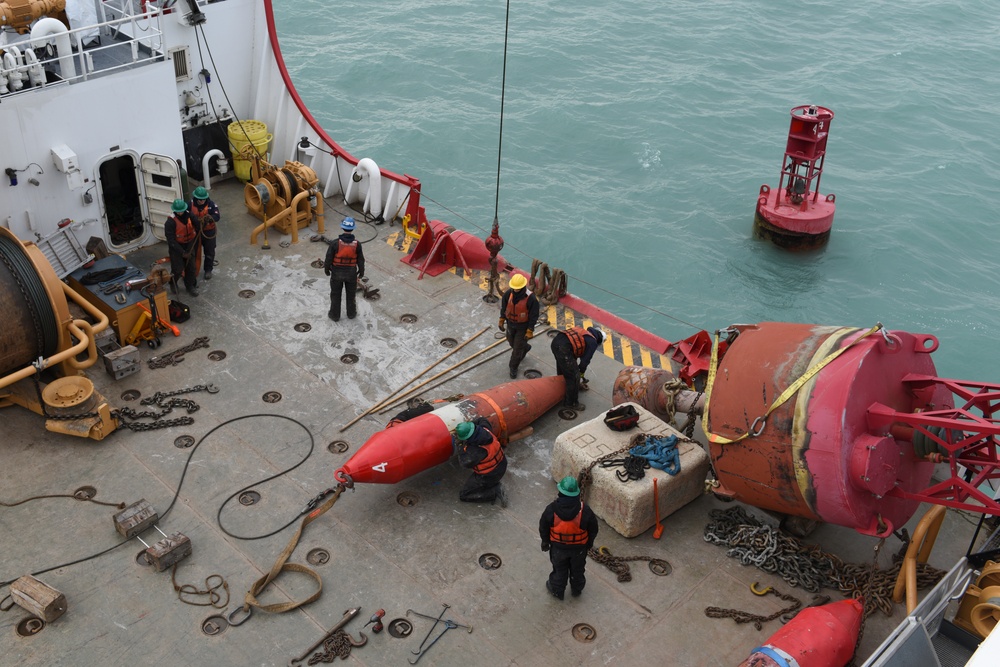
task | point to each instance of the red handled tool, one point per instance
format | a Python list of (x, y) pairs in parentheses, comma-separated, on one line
[(656, 507)]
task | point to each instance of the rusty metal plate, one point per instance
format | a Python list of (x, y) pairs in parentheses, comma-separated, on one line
[(30, 626), (407, 499), (214, 625), (183, 441), (490, 562), (584, 632), (249, 498), (247, 294), (303, 327), (338, 447), (272, 397), (318, 556), (216, 355), (400, 628), (131, 395)]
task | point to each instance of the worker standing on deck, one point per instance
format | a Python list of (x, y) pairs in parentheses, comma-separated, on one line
[(569, 346), (181, 231), (207, 213), (568, 528), (518, 316), (345, 264), (480, 450)]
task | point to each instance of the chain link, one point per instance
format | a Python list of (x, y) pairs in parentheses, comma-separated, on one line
[(176, 356), (758, 621), (619, 564), (165, 401), (337, 645)]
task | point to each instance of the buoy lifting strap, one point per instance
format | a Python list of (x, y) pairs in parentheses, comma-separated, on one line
[(760, 423), (280, 565)]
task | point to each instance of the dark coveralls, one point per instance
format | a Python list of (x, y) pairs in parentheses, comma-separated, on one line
[(475, 453), (181, 230), (566, 361), (208, 214), (345, 264), (569, 561), (518, 305)]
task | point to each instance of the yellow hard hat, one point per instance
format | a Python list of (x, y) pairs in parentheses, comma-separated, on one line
[(518, 282)]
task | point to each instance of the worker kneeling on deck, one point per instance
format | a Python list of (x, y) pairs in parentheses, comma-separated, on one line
[(480, 450), (568, 529), (569, 346)]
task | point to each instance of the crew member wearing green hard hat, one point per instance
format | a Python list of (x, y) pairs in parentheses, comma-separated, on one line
[(181, 231), (518, 316), (568, 528), (207, 213), (480, 450)]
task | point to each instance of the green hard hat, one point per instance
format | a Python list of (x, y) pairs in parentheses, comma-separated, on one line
[(200, 193), (179, 206), (568, 486), (465, 430)]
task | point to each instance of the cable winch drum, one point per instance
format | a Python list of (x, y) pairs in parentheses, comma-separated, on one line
[(31, 327)]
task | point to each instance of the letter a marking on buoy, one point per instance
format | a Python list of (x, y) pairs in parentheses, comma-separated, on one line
[(381, 466)]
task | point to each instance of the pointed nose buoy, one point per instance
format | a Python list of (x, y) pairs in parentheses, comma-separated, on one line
[(393, 454), (822, 636)]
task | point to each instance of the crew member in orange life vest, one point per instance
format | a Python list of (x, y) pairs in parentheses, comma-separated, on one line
[(345, 264), (480, 450), (518, 316), (207, 213), (567, 347), (181, 230), (568, 529)]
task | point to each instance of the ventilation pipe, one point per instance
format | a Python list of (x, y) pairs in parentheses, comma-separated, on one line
[(373, 200), (49, 27), (223, 166)]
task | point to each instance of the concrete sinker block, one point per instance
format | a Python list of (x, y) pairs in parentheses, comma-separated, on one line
[(628, 506)]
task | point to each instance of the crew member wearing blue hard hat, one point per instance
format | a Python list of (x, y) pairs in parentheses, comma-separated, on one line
[(568, 528), (345, 264), (568, 347), (480, 450)]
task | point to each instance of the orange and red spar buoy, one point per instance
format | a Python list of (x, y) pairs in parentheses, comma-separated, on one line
[(393, 454), (822, 636)]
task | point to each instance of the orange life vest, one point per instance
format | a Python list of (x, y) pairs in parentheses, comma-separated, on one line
[(184, 229), (575, 336), (517, 312), (208, 222), (494, 455), (347, 254), (568, 532)]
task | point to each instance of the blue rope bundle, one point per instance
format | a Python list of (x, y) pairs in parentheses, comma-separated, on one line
[(661, 452)]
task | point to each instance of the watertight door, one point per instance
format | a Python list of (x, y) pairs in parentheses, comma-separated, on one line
[(161, 184)]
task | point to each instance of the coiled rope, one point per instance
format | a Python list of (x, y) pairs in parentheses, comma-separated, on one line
[(547, 284)]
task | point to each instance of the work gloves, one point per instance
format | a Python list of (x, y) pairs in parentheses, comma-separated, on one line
[(326, 270), (502, 324), (545, 546), (584, 385), (529, 334)]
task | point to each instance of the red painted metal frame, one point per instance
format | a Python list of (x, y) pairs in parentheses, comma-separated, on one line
[(969, 436)]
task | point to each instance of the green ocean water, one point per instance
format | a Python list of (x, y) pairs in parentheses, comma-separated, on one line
[(636, 136)]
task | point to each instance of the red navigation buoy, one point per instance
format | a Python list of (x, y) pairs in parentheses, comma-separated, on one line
[(822, 636), (413, 446), (795, 215)]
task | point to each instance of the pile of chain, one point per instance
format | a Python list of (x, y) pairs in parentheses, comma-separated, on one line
[(634, 467), (176, 356), (670, 391), (619, 564), (165, 401), (337, 645), (808, 566)]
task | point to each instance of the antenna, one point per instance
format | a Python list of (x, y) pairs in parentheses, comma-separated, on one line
[(494, 243)]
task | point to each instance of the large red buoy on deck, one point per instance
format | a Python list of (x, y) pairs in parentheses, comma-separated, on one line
[(413, 446), (817, 637), (795, 215)]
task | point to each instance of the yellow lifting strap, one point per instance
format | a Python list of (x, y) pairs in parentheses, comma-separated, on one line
[(761, 422)]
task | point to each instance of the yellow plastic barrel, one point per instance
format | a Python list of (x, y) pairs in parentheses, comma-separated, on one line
[(244, 133)]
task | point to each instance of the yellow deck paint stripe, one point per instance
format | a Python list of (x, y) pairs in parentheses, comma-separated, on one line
[(615, 345)]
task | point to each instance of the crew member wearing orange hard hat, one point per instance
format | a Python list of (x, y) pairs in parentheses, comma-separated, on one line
[(518, 316)]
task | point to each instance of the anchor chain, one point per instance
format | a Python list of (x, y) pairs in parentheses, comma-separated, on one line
[(337, 645), (165, 401), (176, 356), (758, 620), (620, 564)]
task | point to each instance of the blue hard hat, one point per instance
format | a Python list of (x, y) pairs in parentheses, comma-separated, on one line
[(347, 225)]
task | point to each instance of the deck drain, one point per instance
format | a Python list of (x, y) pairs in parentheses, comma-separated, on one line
[(216, 355), (349, 359), (249, 498), (491, 298), (338, 447), (408, 318), (415, 402), (584, 632), (660, 567), (142, 558), (183, 441), (400, 627), (552, 333), (449, 342), (271, 397), (131, 395), (318, 556), (214, 625), (303, 327), (247, 293), (85, 493), (490, 562), (30, 626), (532, 374), (407, 499), (499, 334), (567, 414), (316, 264)]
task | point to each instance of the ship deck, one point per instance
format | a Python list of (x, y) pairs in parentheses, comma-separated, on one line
[(382, 554)]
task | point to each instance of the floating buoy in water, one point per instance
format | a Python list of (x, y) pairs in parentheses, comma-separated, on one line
[(822, 636), (795, 215)]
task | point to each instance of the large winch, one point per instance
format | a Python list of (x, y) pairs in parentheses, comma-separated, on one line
[(284, 198)]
